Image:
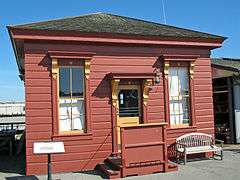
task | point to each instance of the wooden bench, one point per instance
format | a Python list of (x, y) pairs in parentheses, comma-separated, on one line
[(194, 143)]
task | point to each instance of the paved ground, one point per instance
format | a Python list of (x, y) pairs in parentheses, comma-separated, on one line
[(228, 169)]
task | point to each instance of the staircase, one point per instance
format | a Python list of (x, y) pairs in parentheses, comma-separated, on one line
[(142, 155), (111, 167)]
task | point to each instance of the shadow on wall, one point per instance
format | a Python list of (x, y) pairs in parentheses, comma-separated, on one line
[(46, 62), (103, 89)]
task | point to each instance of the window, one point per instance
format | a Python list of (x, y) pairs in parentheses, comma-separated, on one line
[(179, 95), (71, 99), (128, 103)]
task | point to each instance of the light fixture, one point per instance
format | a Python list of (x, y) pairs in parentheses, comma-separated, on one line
[(157, 76)]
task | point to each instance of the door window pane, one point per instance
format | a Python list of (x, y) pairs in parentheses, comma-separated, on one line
[(128, 103)]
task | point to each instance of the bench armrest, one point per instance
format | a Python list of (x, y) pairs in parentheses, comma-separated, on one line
[(220, 141), (183, 145)]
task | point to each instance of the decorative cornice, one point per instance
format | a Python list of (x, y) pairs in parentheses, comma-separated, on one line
[(87, 68), (191, 69), (146, 84), (54, 68), (166, 69), (114, 84)]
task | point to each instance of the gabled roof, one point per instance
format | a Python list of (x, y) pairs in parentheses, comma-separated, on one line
[(226, 63), (108, 23)]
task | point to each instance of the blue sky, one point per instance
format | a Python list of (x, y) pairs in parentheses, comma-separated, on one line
[(220, 17)]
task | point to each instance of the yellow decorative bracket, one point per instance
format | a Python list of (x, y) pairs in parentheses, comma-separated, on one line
[(114, 84), (166, 69), (191, 70), (54, 68), (87, 68), (146, 84)]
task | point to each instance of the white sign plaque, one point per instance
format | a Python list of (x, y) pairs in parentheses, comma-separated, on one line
[(48, 147)]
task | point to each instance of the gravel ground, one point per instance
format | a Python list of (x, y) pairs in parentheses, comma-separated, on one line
[(228, 169)]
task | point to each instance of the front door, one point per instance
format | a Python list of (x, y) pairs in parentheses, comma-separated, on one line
[(129, 107)]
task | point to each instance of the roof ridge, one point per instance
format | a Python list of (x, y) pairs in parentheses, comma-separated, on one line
[(166, 25)]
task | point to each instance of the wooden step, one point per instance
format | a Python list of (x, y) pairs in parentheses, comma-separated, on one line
[(114, 162), (108, 171), (172, 166)]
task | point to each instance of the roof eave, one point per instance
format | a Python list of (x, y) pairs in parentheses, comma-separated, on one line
[(30, 34), (20, 69), (218, 66)]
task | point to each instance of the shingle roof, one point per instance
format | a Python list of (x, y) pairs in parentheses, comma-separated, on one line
[(108, 23), (227, 63)]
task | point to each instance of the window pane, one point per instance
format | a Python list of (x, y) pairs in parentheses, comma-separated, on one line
[(77, 82), (179, 95), (72, 115), (183, 78), (65, 114), (78, 115), (173, 82), (64, 82)]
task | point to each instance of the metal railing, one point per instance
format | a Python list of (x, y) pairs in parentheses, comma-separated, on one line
[(12, 126), (12, 109)]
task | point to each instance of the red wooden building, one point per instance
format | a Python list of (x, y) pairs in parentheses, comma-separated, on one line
[(113, 89)]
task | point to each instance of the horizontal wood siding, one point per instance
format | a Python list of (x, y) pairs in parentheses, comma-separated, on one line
[(204, 109), (38, 105), (85, 152)]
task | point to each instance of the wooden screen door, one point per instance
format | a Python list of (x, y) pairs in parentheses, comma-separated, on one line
[(129, 106)]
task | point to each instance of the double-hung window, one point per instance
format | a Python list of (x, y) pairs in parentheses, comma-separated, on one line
[(179, 96), (71, 98)]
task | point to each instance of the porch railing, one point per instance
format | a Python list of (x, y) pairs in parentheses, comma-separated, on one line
[(143, 148)]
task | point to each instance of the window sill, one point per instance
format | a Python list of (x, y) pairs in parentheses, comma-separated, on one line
[(73, 135), (181, 127)]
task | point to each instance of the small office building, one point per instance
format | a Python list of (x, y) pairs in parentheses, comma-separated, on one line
[(113, 88)]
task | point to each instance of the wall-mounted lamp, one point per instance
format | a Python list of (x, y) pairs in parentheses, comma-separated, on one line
[(157, 76)]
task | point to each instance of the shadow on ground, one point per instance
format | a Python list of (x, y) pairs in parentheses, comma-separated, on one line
[(233, 150), (22, 178), (93, 172), (12, 164)]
